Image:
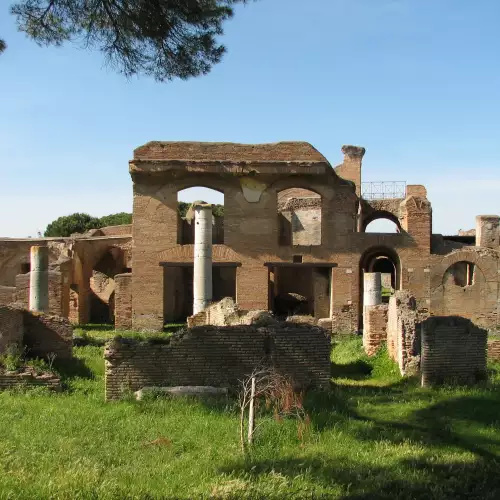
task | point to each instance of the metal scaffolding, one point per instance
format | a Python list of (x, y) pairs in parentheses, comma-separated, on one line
[(383, 190)]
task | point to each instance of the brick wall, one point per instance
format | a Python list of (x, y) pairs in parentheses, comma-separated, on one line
[(7, 295), (343, 309), (13, 380), (122, 230), (218, 357), (11, 327), (453, 351), (375, 328), (123, 301), (494, 349), (56, 305), (44, 335)]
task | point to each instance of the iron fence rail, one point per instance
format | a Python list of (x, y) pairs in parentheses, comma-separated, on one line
[(383, 190)]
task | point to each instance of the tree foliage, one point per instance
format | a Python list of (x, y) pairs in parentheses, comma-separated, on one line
[(183, 207), (69, 224), (116, 219), (164, 39)]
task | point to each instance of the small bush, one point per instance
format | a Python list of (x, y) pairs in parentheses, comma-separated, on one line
[(38, 365), (12, 360)]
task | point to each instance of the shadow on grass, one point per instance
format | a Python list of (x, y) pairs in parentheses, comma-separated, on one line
[(82, 341), (95, 327), (73, 368), (453, 480), (460, 424), (357, 370)]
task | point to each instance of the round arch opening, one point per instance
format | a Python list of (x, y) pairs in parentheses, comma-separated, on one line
[(185, 228), (385, 261), (382, 222)]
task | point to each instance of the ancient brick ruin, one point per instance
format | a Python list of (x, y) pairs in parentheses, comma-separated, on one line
[(219, 356), (292, 241)]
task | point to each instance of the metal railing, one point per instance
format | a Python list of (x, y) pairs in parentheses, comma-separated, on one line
[(383, 190)]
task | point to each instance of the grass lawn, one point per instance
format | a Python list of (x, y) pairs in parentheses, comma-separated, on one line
[(373, 436)]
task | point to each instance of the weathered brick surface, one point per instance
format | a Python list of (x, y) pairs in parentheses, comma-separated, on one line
[(57, 304), (11, 327), (375, 328), (44, 335), (494, 349), (403, 333), (13, 380), (453, 351), (478, 301), (218, 357), (123, 301), (7, 295)]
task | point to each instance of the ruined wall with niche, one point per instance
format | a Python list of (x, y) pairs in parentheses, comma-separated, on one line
[(465, 283), (299, 217)]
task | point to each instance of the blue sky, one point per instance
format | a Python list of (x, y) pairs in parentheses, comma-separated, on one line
[(416, 82)]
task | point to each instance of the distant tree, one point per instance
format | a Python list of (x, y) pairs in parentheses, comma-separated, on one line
[(69, 224), (183, 207), (116, 219), (164, 39), (80, 222)]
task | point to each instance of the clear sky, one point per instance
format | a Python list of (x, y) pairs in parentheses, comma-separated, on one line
[(416, 82)]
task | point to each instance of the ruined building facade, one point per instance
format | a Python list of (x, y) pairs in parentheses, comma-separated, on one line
[(293, 226)]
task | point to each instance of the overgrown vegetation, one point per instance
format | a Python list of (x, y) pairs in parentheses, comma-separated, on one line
[(16, 359), (373, 435)]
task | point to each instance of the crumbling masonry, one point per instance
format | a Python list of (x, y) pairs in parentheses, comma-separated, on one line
[(292, 240)]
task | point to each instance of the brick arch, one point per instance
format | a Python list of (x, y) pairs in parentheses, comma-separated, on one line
[(299, 183), (185, 253), (190, 183), (487, 264), (295, 192), (380, 214), (101, 249)]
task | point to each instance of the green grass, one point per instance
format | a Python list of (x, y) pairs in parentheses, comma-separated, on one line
[(372, 436)]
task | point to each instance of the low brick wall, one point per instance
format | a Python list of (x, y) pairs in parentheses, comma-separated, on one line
[(11, 327), (218, 356), (7, 295), (494, 349), (123, 301), (45, 334), (14, 380), (453, 351), (374, 328)]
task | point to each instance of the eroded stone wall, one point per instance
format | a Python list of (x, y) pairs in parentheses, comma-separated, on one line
[(7, 295), (123, 301), (44, 335), (453, 351), (375, 328), (11, 328), (403, 332), (494, 349), (218, 357)]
